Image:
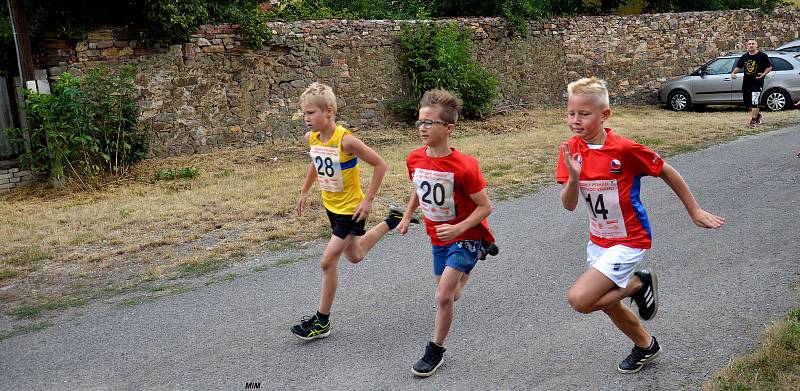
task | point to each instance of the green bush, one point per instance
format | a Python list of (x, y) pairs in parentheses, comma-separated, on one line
[(171, 174), (86, 126), (439, 57)]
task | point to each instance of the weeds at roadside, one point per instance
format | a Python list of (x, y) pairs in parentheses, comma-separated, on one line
[(24, 330)]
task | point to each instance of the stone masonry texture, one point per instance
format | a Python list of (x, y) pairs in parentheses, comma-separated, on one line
[(212, 92)]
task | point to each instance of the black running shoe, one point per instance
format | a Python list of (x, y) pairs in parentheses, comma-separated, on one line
[(395, 215), (758, 119), (638, 357), (646, 298), (430, 362), (753, 123), (488, 249), (311, 328)]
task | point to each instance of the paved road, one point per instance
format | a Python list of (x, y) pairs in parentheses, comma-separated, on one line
[(513, 329)]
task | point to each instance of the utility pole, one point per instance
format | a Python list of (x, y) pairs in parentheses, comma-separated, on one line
[(19, 27)]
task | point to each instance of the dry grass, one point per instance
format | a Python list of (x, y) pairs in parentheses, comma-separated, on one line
[(774, 366), (135, 232)]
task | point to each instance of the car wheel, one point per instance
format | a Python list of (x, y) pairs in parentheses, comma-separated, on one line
[(776, 100), (679, 100)]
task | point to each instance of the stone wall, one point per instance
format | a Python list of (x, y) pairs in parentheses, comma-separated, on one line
[(12, 176), (212, 92)]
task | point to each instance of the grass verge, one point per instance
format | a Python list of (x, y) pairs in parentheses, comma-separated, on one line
[(774, 366)]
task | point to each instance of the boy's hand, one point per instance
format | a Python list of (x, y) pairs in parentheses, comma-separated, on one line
[(362, 210), (704, 219), (447, 231), (403, 226), (301, 204), (571, 162)]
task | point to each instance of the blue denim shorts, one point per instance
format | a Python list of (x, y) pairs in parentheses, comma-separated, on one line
[(461, 255)]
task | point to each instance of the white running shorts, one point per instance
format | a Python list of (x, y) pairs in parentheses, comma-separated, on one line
[(616, 262)]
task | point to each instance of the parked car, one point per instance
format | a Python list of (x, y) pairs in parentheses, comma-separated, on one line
[(712, 84), (793, 46)]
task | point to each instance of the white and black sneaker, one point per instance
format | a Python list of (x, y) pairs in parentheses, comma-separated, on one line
[(646, 298), (430, 361), (638, 357)]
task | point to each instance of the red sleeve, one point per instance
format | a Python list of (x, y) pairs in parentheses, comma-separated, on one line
[(472, 180), (645, 160), (561, 170), (410, 165)]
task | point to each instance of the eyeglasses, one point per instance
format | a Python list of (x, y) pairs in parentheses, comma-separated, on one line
[(428, 123)]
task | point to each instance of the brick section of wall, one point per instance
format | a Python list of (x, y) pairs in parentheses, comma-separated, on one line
[(14, 177), (212, 92)]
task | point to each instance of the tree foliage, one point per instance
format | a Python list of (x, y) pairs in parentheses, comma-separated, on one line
[(439, 57)]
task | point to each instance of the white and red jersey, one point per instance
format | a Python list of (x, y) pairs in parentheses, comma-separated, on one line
[(610, 187), (443, 186)]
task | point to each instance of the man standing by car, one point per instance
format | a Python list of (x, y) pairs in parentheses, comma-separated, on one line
[(756, 66)]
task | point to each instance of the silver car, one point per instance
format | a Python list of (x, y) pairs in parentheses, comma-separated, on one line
[(711, 84), (793, 46)]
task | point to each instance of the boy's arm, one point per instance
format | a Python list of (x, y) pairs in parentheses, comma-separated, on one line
[(570, 191), (483, 208), (413, 204), (311, 176), (700, 217), (351, 144)]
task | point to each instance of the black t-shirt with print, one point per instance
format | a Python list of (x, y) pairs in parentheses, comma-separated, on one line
[(752, 65)]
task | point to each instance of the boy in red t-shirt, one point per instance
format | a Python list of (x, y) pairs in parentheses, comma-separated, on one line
[(604, 169), (450, 190)]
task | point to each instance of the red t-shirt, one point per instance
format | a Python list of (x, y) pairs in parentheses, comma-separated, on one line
[(443, 186), (610, 187)]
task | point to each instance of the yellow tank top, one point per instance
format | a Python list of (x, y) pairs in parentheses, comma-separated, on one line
[(337, 172)]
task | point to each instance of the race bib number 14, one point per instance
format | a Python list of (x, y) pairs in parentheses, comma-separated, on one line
[(605, 215), (435, 193)]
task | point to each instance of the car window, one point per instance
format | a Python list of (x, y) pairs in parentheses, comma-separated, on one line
[(720, 66), (779, 64), (791, 49)]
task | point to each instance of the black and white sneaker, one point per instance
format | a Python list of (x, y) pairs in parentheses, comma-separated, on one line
[(758, 119), (646, 298), (488, 249), (311, 328), (638, 357), (430, 361)]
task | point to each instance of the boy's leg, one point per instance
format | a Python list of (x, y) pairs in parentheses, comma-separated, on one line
[(593, 291), (449, 284), (460, 287), (626, 321), (330, 271), (359, 247), (318, 325), (645, 348)]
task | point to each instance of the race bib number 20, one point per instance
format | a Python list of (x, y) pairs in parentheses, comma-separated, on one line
[(329, 171), (435, 193), (605, 215)]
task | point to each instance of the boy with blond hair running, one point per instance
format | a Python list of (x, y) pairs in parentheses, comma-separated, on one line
[(603, 169), (335, 157)]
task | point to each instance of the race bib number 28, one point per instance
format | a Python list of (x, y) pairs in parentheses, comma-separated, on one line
[(435, 193), (605, 215), (329, 171)]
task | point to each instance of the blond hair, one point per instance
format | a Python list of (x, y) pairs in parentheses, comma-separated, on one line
[(320, 95), (591, 86), (448, 104)]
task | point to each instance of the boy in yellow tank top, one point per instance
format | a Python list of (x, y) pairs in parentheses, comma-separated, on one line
[(335, 156)]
